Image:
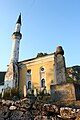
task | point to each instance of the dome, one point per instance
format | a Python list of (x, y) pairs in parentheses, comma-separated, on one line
[(59, 50)]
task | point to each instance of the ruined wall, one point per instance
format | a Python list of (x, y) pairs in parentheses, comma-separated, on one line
[(77, 91), (59, 66), (63, 92), (60, 69), (11, 76), (26, 110)]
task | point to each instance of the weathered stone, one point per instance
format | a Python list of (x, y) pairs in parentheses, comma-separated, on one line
[(18, 105), (16, 115), (78, 114), (26, 106), (35, 113), (3, 102), (0, 102), (11, 75), (34, 106), (25, 100), (55, 108), (27, 116), (45, 107), (59, 50), (50, 108), (1, 118), (22, 109), (60, 69), (4, 112), (43, 113), (12, 108), (8, 102), (40, 117), (66, 112), (39, 106), (63, 92)]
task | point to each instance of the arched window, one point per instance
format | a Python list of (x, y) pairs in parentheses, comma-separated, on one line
[(42, 77), (43, 82), (29, 84), (29, 72), (28, 80)]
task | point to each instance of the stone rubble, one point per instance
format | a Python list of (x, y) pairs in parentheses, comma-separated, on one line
[(27, 110)]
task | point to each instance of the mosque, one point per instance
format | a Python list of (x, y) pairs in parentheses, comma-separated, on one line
[(36, 73), (45, 73)]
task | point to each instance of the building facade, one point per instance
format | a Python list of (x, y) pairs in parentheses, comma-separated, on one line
[(36, 74), (41, 72)]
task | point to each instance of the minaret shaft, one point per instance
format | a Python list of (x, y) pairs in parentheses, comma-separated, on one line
[(16, 36), (11, 77), (18, 27), (15, 51)]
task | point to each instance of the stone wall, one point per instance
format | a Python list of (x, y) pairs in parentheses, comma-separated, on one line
[(77, 91), (59, 66), (11, 76), (60, 69), (63, 92), (27, 110)]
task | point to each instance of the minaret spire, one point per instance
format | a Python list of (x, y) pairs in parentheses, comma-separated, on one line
[(19, 19)]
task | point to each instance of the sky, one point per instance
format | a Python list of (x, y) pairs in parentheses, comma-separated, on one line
[(46, 24)]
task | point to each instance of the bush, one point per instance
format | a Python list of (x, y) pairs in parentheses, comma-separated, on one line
[(12, 93)]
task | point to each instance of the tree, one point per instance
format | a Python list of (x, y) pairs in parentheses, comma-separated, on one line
[(41, 54)]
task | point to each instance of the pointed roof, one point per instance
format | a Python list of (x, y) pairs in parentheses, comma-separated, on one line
[(19, 19)]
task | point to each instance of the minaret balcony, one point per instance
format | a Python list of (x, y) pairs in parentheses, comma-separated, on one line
[(17, 35)]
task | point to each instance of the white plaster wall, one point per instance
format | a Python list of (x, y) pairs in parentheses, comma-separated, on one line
[(9, 83), (15, 46), (18, 27), (15, 50)]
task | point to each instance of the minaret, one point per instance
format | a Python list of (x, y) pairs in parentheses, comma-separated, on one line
[(11, 77), (16, 36)]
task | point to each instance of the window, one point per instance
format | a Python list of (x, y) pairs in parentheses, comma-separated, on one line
[(42, 69), (28, 79), (29, 84), (29, 71), (42, 77), (43, 82)]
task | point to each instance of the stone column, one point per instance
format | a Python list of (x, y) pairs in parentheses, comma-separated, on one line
[(60, 67)]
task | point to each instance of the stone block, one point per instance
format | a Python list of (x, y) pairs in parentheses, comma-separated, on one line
[(63, 92)]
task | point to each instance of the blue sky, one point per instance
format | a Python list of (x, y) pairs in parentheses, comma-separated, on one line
[(46, 24)]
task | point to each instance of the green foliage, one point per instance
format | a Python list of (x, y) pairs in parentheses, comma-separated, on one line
[(30, 94), (44, 97), (78, 81), (7, 94), (70, 80), (73, 74), (13, 94), (41, 54)]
